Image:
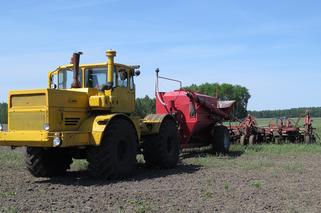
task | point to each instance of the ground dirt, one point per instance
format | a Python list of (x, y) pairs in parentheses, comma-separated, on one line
[(241, 182)]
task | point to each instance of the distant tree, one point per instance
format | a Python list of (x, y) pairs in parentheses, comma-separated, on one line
[(145, 106), (294, 112)]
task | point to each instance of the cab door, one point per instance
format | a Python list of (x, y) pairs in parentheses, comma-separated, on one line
[(124, 91)]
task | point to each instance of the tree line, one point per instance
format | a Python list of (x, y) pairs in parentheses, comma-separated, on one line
[(293, 113)]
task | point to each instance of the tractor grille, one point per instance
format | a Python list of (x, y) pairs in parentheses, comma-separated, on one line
[(27, 120), (72, 121)]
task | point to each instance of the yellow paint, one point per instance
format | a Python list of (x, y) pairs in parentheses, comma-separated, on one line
[(110, 66), (80, 116)]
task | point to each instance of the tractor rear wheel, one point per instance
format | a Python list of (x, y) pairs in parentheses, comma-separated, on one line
[(252, 140), (221, 140), (242, 140), (116, 156), (162, 150), (47, 162)]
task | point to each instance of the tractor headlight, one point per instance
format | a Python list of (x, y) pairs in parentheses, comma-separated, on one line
[(1, 128), (46, 127), (57, 140)]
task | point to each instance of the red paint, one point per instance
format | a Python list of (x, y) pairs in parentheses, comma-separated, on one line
[(194, 127)]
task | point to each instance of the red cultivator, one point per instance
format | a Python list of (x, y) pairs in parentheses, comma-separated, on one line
[(283, 130), (248, 132), (287, 131)]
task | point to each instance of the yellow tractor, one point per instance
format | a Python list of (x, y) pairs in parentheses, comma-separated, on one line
[(88, 112)]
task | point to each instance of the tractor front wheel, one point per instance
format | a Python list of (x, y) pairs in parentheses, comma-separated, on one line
[(47, 162), (116, 155), (162, 150), (221, 140)]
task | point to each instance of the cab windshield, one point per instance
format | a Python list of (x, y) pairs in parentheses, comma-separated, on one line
[(65, 78), (95, 77)]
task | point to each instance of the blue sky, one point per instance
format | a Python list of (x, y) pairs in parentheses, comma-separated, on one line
[(271, 47)]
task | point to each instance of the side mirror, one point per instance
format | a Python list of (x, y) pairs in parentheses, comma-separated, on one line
[(137, 73)]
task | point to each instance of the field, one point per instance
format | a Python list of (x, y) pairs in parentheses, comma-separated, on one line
[(262, 178)]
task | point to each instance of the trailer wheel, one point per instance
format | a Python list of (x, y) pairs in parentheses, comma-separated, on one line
[(221, 140), (47, 162), (252, 140), (307, 139), (277, 140), (242, 140), (162, 150), (116, 155)]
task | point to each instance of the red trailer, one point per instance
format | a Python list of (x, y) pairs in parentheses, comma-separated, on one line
[(199, 117)]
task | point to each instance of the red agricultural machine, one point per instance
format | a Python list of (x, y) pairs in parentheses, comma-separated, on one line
[(248, 132), (283, 130), (287, 131), (199, 117)]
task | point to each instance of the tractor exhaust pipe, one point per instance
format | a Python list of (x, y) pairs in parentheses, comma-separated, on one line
[(75, 61), (110, 68)]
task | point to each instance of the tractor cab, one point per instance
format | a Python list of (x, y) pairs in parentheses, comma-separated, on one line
[(110, 85)]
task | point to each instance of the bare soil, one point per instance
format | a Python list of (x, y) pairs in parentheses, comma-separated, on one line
[(239, 183)]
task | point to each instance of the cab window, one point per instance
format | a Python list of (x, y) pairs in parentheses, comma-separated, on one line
[(95, 77), (54, 81), (65, 78), (122, 78), (132, 83)]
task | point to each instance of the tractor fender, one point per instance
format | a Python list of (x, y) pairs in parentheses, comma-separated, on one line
[(97, 125), (152, 123)]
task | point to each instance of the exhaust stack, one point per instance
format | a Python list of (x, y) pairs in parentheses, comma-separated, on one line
[(75, 61)]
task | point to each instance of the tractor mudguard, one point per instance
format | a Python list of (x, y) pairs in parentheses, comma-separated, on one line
[(97, 125), (151, 123)]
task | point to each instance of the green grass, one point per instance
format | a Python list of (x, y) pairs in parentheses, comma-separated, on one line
[(258, 157), (140, 206), (294, 167), (79, 165), (10, 210), (11, 158), (7, 194), (256, 184)]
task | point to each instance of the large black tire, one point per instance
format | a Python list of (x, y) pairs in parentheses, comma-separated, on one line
[(162, 150), (242, 140), (221, 140), (47, 162), (116, 156), (252, 140)]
